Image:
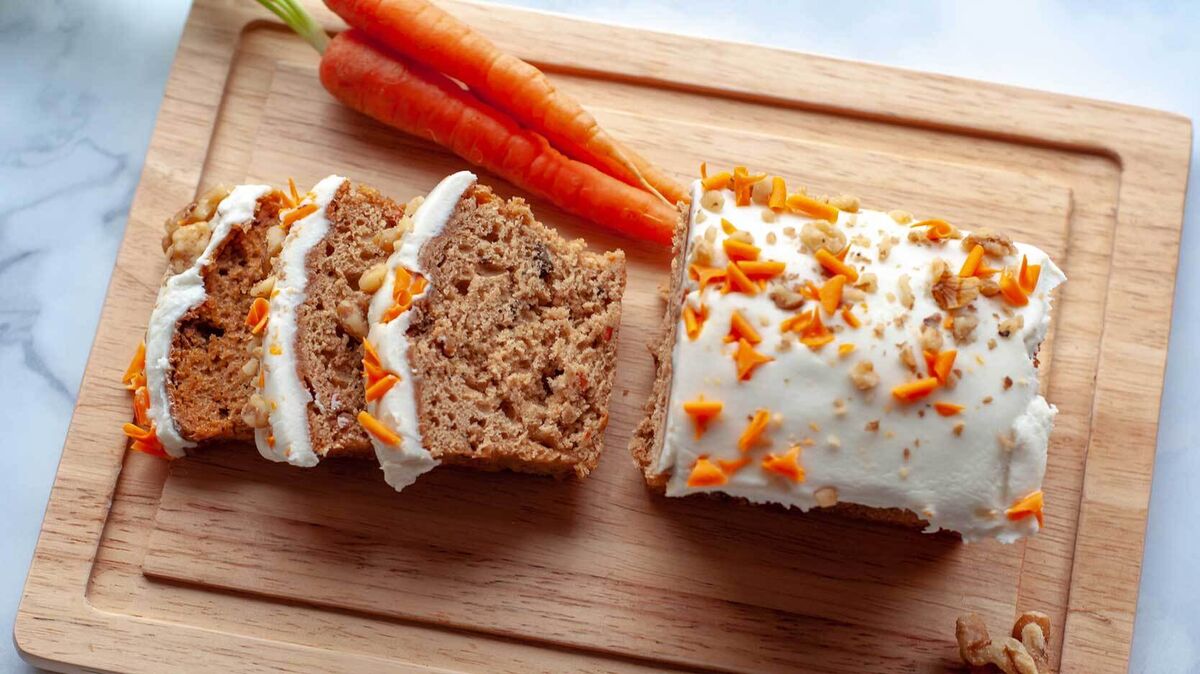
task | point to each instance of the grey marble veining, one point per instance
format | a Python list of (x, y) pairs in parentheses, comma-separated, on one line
[(81, 82)]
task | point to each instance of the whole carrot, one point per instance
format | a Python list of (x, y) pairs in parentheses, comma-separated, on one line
[(425, 33), (415, 99)]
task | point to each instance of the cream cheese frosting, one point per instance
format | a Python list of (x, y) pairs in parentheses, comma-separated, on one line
[(404, 457), (834, 429), (180, 294), (287, 436)]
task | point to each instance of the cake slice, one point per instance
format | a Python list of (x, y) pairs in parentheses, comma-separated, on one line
[(192, 376), (819, 356), (492, 341)]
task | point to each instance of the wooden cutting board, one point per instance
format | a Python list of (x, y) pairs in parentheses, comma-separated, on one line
[(227, 563)]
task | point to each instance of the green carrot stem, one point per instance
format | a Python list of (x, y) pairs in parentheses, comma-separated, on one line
[(293, 14)]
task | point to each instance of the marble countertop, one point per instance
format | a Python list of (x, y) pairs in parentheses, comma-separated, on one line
[(82, 84)]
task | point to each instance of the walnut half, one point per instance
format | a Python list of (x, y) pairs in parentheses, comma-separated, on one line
[(952, 291), (1023, 653)]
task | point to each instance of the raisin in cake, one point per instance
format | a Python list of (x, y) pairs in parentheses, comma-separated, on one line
[(817, 356), (492, 341)]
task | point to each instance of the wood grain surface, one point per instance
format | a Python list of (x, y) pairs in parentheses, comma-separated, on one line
[(225, 562)]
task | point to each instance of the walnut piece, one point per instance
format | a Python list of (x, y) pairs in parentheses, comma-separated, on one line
[(826, 496), (963, 327), (1010, 325), (906, 293), (1011, 655), (785, 298), (351, 317), (995, 244), (867, 282), (845, 202), (885, 246), (901, 217), (864, 376), (187, 244), (952, 291), (930, 337), (820, 234)]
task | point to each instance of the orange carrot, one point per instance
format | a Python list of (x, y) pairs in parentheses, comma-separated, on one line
[(417, 100), (421, 31)]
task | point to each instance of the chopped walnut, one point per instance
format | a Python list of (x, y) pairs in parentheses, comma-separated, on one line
[(839, 407), (701, 217), (885, 246), (901, 217), (988, 287), (263, 288), (826, 496), (187, 244), (952, 291), (761, 192), (275, 237), (702, 252), (350, 317), (845, 202), (907, 357), (200, 210), (852, 295), (742, 236), (963, 327), (256, 413), (820, 234), (991, 344), (958, 428), (864, 376), (906, 293), (994, 243), (1010, 325), (1007, 440), (1023, 653), (834, 441), (930, 338), (786, 298), (771, 237), (900, 320), (789, 232), (1008, 383), (712, 200), (879, 330), (710, 234), (867, 282), (861, 241), (872, 426)]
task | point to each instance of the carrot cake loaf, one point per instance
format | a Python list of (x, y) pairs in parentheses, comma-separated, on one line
[(492, 341), (817, 354), (189, 377)]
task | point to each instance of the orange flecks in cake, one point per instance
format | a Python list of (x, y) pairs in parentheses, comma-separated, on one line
[(972, 263), (1030, 505), (144, 440), (834, 266), (705, 275), (940, 364), (947, 409), (736, 281), (761, 269), (141, 406), (1027, 277), (740, 328), (937, 229), (376, 390), (778, 198), (740, 250), (706, 474), (801, 203), (731, 466), (256, 318), (830, 294), (743, 184), (845, 349), (294, 192), (1011, 290), (693, 320), (915, 390), (754, 430), (296, 214), (850, 318), (787, 465), (373, 426), (747, 359), (717, 181), (702, 411), (136, 369)]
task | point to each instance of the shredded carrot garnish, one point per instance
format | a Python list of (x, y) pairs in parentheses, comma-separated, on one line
[(136, 367), (831, 294), (754, 430), (262, 376), (915, 390), (850, 318), (256, 318), (942, 364), (947, 409), (141, 406), (845, 349), (740, 250), (787, 465), (135, 432), (743, 184), (296, 214), (814, 335), (294, 192), (740, 328), (152, 447), (693, 321), (761, 269), (372, 366), (703, 169), (811, 207), (377, 429), (778, 199), (731, 466), (702, 412), (937, 229), (811, 291), (972, 264), (796, 323), (1011, 290), (706, 474), (270, 439), (1030, 505), (727, 226), (747, 359), (737, 281), (376, 390), (717, 181), (1027, 278), (835, 266), (705, 275)]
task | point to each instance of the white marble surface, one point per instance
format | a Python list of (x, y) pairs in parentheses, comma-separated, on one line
[(80, 84)]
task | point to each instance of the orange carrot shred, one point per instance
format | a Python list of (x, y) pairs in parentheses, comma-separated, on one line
[(717, 181), (972, 263), (937, 229), (706, 474), (761, 269), (787, 465), (796, 323), (373, 426), (845, 349), (831, 294), (740, 250), (814, 334), (1011, 290), (706, 275), (754, 430), (702, 412), (737, 281), (136, 367), (743, 184), (295, 193), (731, 466), (1030, 505), (747, 359), (850, 318), (835, 266), (740, 328), (943, 362), (915, 390), (296, 214), (1027, 278), (703, 169), (256, 318), (947, 409), (727, 226), (377, 390), (141, 406), (778, 199), (811, 207), (693, 321)]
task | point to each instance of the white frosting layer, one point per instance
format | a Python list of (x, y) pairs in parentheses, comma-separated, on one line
[(397, 409), (179, 295), (914, 460), (285, 393)]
